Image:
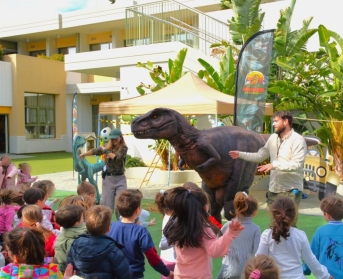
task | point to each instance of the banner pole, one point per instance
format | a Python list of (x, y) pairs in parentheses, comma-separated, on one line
[(72, 125)]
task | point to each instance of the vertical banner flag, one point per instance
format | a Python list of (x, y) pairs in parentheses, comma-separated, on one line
[(252, 77), (74, 115)]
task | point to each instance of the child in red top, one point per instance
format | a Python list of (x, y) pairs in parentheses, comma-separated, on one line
[(24, 177), (32, 216)]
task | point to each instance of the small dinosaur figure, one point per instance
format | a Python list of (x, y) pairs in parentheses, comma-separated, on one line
[(85, 169), (206, 152)]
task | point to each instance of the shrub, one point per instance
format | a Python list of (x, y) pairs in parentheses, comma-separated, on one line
[(133, 162), (57, 57)]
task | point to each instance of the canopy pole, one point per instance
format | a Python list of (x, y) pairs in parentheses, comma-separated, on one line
[(98, 144), (216, 120), (169, 151)]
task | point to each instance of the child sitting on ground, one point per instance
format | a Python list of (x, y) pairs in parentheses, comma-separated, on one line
[(261, 267), (327, 240), (85, 189), (32, 218), (194, 237), (287, 245), (7, 211), (135, 239), (245, 245), (24, 177), (49, 187), (95, 255), (8, 172), (36, 196), (25, 248), (70, 218), (167, 255)]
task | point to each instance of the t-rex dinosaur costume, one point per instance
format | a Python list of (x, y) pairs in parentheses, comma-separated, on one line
[(85, 169), (206, 152)]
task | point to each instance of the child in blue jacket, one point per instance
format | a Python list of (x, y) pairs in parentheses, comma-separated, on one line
[(97, 255)]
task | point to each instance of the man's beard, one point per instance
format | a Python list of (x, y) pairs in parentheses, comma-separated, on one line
[(280, 130)]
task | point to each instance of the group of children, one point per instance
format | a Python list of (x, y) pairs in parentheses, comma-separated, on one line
[(80, 239)]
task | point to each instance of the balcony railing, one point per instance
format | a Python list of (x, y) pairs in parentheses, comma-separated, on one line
[(168, 21)]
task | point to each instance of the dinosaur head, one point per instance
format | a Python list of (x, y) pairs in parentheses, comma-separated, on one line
[(160, 123), (79, 141)]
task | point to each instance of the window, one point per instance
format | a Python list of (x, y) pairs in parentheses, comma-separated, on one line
[(102, 46), (39, 116), (37, 52), (67, 50)]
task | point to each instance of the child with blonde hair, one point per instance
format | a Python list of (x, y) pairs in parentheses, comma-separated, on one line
[(24, 177), (245, 245), (261, 267), (32, 218)]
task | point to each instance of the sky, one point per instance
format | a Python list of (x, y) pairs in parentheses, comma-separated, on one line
[(19, 10)]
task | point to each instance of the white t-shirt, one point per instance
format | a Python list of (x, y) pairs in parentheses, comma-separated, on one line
[(168, 254), (289, 253)]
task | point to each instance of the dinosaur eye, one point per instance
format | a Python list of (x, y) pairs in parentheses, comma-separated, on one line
[(155, 116)]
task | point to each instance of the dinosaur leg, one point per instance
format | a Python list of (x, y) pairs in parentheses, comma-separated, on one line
[(241, 179), (93, 182), (216, 208)]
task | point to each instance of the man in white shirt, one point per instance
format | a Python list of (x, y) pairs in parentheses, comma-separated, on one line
[(287, 150)]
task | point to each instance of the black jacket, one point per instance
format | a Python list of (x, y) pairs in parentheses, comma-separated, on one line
[(98, 257)]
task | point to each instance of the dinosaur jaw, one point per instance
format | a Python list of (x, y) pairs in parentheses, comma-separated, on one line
[(162, 132)]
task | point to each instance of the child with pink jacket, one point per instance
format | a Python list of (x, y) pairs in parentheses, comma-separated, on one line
[(194, 237), (8, 172)]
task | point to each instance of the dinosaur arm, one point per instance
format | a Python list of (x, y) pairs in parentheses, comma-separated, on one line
[(181, 163), (213, 155)]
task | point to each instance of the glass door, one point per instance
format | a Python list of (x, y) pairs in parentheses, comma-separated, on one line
[(3, 133)]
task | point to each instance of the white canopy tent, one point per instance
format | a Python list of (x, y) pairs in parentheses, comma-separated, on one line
[(189, 96)]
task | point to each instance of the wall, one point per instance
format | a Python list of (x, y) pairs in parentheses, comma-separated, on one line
[(31, 74), (5, 84)]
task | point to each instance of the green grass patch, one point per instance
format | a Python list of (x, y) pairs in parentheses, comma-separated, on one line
[(44, 163)]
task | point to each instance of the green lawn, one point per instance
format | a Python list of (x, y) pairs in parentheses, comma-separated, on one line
[(307, 223), (44, 163)]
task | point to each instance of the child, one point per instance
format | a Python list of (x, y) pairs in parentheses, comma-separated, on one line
[(167, 255), (85, 189), (193, 235), (49, 187), (246, 244), (261, 267), (70, 218), (7, 211), (96, 255), (327, 241), (25, 248), (135, 239), (24, 177), (84, 202), (32, 217), (36, 196), (192, 186), (287, 245), (8, 172)]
